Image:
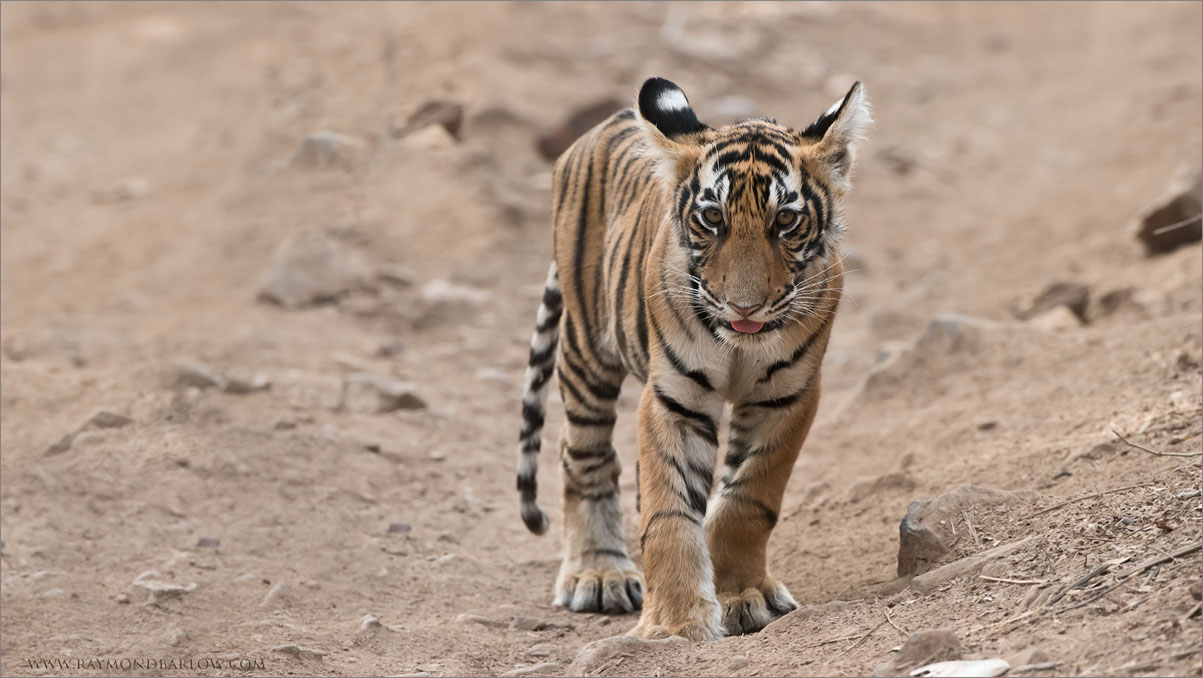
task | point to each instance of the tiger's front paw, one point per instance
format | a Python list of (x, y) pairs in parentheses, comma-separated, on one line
[(754, 608), (699, 623), (613, 586)]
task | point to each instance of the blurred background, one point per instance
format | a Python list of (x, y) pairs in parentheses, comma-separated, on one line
[(268, 272)]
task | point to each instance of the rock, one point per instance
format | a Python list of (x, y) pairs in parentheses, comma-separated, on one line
[(53, 593), (192, 373), (445, 114), (467, 618), (929, 581), (865, 487), (542, 650), (552, 144), (938, 518), (528, 670), (391, 348), (208, 543), (448, 537), (1114, 300), (395, 274), (399, 528), (368, 393), (327, 149), (444, 291), (300, 652), (277, 594), (1196, 591), (121, 599), (1074, 296), (313, 268), (919, 549), (596, 653), (1059, 319), (921, 648), (370, 622), (243, 384), (160, 590), (977, 668), (174, 636), (521, 623), (737, 662), (429, 139), (1174, 219), (99, 419)]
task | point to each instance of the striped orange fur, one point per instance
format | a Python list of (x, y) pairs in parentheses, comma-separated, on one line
[(705, 262)]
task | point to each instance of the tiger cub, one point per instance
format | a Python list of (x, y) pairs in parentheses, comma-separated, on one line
[(703, 261)]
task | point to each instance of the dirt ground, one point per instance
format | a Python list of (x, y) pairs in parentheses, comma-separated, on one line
[(153, 161)]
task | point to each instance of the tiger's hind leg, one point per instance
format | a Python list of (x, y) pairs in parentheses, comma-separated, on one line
[(597, 574)]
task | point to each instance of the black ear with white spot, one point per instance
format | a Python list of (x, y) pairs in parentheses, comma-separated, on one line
[(665, 106), (837, 133)]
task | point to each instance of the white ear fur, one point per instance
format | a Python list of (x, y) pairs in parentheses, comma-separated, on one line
[(844, 134)]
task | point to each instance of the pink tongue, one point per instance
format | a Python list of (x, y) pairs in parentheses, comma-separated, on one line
[(747, 326)]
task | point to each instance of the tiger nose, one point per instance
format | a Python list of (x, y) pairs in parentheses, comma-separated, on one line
[(745, 311)]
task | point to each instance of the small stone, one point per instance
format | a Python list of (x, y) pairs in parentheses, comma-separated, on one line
[(443, 291), (328, 149), (919, 549), (391, 349), (300, 652), (528, 670), (446, 114), (467, 618), (175, 636), (370, 622), (395, 274), (107, 419), (865, 487), (1176, 218), (449, 537), (368, 393), (437, 455), (160, 590), (528, 624), (987, 426), (1059, 319), (399, 528), (284, 425), (240, 385), (926, 647), (313, 268), (1074, 296), (192, 373), (53, 593), (133, 188), (1196, 591), (277, 594), (542, 650), (121, 599), (555, 142), (208, 542), (737, 662)]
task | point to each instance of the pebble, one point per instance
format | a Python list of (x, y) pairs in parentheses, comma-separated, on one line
[(448, 537), (370, 622), (329, 149), (1071, 295), (542, 650), (368, 393), (53, 593), (313, 268), (277, 594), (468, 618), (121, 598), (300, 652), (1175, 218), (446, 114), (99, 419), (399, 528), (527, 670), (208, 542)]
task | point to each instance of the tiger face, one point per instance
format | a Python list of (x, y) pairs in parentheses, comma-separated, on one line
[(756, 205)]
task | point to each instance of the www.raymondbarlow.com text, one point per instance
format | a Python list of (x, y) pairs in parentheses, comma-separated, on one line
[(145, 663)]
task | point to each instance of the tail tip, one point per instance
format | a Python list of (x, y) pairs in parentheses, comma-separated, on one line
[(535, 519)]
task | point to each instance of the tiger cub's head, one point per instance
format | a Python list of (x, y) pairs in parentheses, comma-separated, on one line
[(757, 204)]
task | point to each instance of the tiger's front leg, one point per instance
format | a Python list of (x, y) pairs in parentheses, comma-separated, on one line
[(766, 436), (678, 439)]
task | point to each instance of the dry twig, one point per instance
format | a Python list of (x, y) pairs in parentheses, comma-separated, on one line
[(1084, 498), (1083, 579), (899, 628), (1155, 453), (1004, 580), (1189, 548), (865, 637)]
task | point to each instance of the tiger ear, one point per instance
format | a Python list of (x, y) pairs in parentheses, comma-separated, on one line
[(670, 126), (835, 136)]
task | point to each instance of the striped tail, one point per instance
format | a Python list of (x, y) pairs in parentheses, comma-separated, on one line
[(534, 400)]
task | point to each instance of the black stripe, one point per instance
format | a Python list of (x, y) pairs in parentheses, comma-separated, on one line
[(783, 401), (581, 420), (604, 552), (532, 419), (679, 365), (620, 292), (704, 425), (664, 514), (797, 355), (600, 390), (577, 398), (591, 496), (579, 453), (770, 516), (527, 487), (541, 378)]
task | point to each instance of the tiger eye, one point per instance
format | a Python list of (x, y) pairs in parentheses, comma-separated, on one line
[(713, 215), (786, 218)]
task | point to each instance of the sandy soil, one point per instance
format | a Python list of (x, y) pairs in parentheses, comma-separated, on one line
[(150, 171)]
